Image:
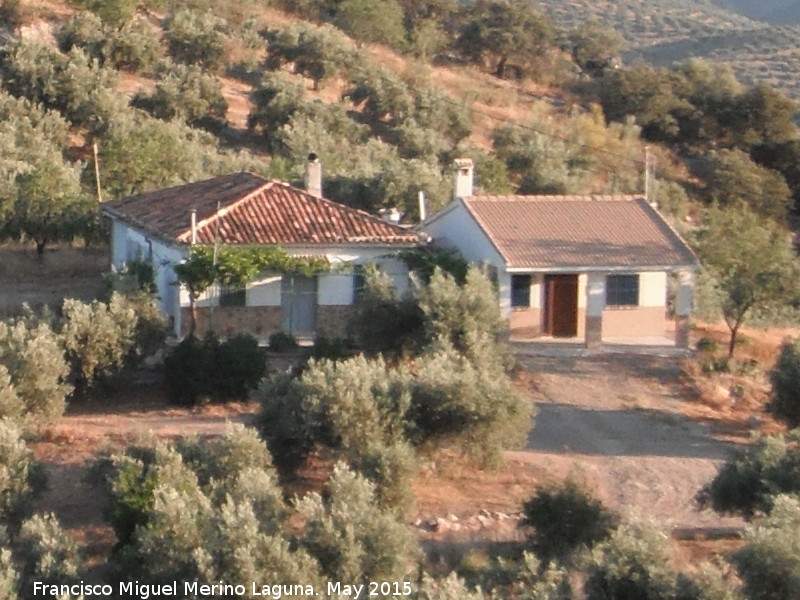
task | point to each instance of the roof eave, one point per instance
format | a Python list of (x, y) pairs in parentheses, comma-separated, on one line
[(601, 269)]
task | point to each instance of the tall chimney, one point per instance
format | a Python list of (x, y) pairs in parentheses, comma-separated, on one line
[(463, 172), (313, 177)]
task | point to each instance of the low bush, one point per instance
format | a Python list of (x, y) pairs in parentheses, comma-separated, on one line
[(633, 563), (769, 561), (329, 348), (98, 338), (785, 378), (383, 323), (209, 370), (185, 92), (33, 374), (22, 477), (565, 520), (197, 38), (280, 341), (748, 483)]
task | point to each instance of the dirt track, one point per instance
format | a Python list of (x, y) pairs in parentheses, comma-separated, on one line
[(616, 422)]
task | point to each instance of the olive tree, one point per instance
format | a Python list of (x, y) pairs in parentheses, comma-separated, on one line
[(752, 262)]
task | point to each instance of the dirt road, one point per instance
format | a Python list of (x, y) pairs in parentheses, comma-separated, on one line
[(615, 421)]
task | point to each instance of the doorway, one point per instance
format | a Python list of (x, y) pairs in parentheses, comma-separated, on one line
[(561, 305), (299, 304)]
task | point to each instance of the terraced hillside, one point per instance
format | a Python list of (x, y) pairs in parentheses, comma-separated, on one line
[(666, 31), (775, 11)]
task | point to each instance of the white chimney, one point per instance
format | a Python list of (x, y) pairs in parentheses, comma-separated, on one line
[(423, 206), (193, 225), (390, 215), (313, 177), (463, 172)]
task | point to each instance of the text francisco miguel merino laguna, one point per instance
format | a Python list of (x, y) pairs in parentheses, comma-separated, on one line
[(135, 589)]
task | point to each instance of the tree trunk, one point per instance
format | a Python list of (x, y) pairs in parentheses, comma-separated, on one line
[(193, 315), (732, 341), (501, 67)]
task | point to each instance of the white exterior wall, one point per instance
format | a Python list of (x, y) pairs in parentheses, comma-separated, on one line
[(264, 291), (653, 289), (454, 227), (583, 283), (129, 244), (335, 289), (537, 291)]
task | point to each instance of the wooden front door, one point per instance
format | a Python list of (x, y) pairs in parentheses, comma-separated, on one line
[(561, 305)]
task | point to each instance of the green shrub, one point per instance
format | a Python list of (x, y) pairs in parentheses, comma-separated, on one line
[(239, 365), (381, 322), (22, 478), (372, 23), (769, 561), (185, 92), (86, 31), (204, 510), (316, 52), (329, 348), (203, 370), (706, 344), (381, 94), (274, 102), (566, 520), (197, 38), (114, 12), (469, 404), (98, 338), (748, 483), (134, 47), (785, 378), (186, 369), (35, 374), (633, 563), (461, 314), (140, 154), (351, 536), (280, 341), (45, 554)]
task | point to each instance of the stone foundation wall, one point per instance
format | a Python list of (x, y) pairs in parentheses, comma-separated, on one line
[(261, 321), (332, 320), (226, 321)]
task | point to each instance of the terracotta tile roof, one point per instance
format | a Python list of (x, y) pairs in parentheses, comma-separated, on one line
[(578, 231), (253, 210)]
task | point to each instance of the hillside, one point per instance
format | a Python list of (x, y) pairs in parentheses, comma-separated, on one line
[(664, 32), (780, 12)]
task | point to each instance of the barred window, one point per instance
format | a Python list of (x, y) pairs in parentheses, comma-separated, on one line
[(234, 294), (622, 290)]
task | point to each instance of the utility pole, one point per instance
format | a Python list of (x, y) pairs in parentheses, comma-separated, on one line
[(97, 173)]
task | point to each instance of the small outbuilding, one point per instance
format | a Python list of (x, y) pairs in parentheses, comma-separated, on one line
[(593, 267)]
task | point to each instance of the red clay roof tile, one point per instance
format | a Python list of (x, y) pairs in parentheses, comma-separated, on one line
[(578, 231), (253, 210)]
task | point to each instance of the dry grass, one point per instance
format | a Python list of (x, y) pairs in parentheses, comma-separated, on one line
[(737, 399), (62, 272)]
